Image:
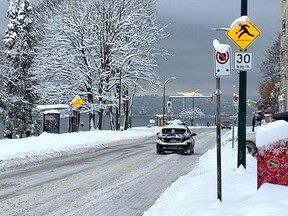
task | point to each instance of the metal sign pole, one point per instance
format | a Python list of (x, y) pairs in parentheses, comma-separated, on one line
[(242, 106), (218, 139), (222, 69)]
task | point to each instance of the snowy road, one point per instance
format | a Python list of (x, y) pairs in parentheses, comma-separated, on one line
[(121, 180)]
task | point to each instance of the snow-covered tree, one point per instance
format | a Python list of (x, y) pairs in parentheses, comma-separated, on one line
[(270, 68), (19, 97), (101, 50)]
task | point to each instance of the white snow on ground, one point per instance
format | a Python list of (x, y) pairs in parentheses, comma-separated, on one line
[(22, 151), (193, 194)]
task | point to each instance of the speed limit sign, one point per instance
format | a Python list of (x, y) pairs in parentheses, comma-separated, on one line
[(243, 60)]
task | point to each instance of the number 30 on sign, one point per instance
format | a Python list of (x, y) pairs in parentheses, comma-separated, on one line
[(243, 61)]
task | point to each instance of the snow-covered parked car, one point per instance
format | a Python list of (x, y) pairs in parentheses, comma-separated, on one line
[(251, 137), (251, 143), (175, 138)]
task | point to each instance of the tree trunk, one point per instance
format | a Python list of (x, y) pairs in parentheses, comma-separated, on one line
[(100, 119), (117, 123), (131, 105), (111, 120), (91, 119), (126, 110), (91, 116)]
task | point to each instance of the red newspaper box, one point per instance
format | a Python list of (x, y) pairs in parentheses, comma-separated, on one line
[(272, 155)]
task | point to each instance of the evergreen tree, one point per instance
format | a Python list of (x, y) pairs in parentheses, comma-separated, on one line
[(19, 82)]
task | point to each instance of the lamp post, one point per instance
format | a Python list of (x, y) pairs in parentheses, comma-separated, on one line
[(167, 80), (241, 159), (220, 29), (193, 104)]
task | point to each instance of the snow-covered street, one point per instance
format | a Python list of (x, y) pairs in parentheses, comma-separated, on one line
[(192, 194), (105, 179)]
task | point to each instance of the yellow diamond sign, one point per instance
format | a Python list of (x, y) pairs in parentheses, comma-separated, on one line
[(77, 102), (243, 35)]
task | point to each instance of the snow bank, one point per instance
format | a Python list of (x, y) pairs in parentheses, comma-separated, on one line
[(271, 133), (17, 152)]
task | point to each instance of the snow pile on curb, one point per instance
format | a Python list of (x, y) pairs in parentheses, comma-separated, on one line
[(23, 151)]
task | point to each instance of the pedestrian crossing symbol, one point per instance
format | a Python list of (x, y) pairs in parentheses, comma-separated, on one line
[(243, 35)]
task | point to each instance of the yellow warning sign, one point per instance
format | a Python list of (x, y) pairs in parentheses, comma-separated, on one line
[(77, 102), (243, 35)]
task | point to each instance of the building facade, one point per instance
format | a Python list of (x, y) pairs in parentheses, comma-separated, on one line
[(283, 90)]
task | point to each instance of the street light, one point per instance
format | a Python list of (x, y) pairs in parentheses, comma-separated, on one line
[(241, 160), (193, 104), (170, 78), (249, 101), (220, 29)]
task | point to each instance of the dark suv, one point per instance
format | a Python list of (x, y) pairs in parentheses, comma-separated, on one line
[(175, 138)]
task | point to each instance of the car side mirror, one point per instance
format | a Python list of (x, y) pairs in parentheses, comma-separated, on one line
[(157, 133), (194, 134)]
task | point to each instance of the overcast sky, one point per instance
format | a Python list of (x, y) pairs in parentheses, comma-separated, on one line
[(191, 41)]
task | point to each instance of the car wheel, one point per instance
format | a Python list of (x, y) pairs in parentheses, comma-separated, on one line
[(158, 150), (189, 151), (251, 148)]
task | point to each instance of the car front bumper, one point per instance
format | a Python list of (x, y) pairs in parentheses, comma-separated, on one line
[(174, 146)]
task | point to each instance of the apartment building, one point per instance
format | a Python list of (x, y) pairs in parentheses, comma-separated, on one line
[(283, 91)]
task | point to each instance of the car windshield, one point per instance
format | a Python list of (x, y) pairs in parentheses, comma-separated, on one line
[(226, 122), (173, 131)]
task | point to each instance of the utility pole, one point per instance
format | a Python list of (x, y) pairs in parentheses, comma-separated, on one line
[(243, 40), (241, 160)]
